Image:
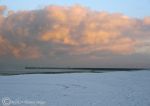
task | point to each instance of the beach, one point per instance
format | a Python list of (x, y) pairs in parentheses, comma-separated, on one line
[(119, 88)]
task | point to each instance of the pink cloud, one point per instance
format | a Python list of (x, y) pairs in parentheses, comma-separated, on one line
[(78, 29)]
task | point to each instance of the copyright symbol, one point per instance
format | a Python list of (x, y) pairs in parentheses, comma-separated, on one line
[(6, 101)]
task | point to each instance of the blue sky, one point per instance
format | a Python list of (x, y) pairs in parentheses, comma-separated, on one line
[(132, 8)]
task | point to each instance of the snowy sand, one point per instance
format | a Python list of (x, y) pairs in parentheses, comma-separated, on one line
[(77, 89)]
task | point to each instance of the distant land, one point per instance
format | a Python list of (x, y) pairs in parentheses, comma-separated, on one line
[(60, 70), (69, 68)]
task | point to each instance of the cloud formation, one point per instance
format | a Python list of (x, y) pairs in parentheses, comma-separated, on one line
[(73, 30)]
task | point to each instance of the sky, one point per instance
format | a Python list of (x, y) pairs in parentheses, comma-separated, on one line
[(75, 33), (131, 8)]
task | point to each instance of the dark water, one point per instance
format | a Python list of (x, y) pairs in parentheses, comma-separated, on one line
[(18, 71)]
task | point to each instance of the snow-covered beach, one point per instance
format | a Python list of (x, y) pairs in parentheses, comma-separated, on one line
[(77, 89)]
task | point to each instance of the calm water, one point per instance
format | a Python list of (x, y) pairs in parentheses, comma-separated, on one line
[(57, 71)]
